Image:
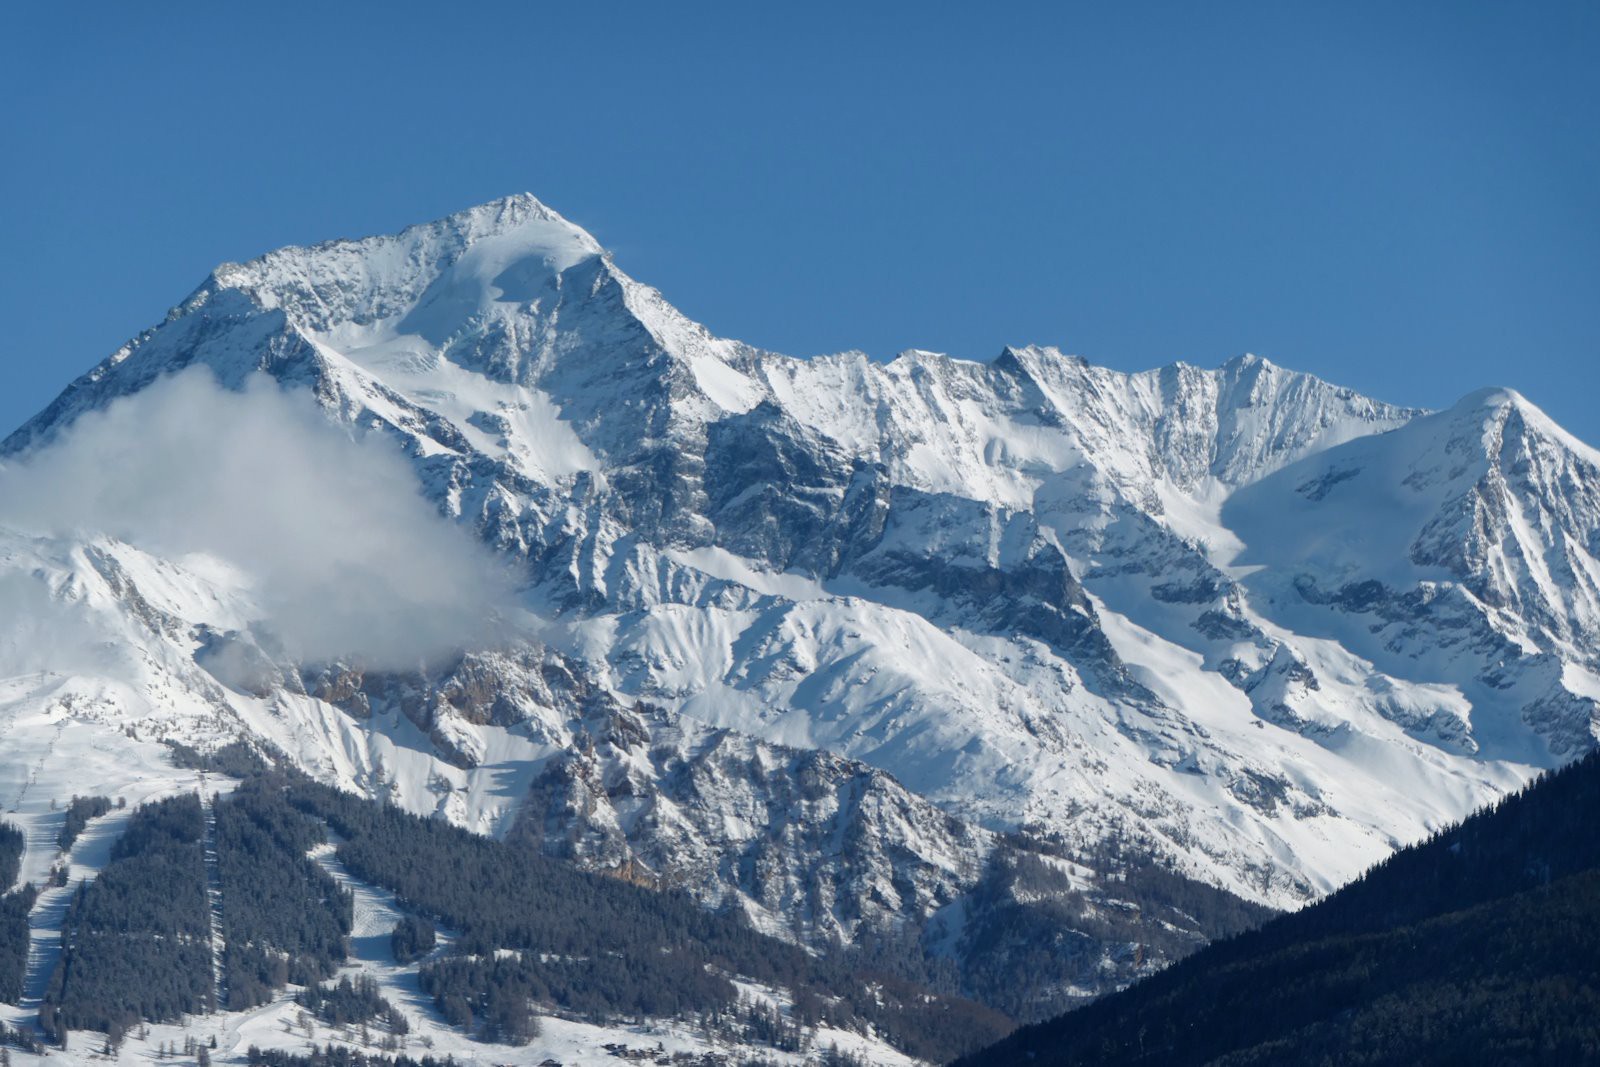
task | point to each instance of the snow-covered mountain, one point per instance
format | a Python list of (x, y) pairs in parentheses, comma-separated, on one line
[(1252, 624)]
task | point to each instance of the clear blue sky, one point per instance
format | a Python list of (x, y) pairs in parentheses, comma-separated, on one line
[(1401, 197)]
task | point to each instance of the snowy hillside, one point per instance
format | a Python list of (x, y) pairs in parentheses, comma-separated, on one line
[(1241, 621)]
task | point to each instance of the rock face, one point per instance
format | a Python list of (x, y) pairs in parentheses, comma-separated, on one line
[(828, 628)]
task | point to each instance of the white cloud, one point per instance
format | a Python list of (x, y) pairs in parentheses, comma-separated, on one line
[(346, 560)]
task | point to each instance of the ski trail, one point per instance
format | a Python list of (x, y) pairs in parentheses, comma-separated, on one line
[(90, 853), (219, 977), (375, 914)]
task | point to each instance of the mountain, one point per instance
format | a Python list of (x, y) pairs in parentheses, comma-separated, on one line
[(1478, 946), (1461, 546), (936, 660)]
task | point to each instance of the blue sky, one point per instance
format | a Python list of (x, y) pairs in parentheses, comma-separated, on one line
[(1400, 197)]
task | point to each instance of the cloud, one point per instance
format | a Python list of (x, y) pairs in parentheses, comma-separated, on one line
[(344, 557)]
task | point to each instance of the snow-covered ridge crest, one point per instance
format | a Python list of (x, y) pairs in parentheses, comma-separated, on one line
[(1037, 591)]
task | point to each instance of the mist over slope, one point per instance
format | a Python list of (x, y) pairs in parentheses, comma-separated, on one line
[(326, 534)]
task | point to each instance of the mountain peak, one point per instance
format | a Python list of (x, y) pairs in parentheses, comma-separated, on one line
[(1249, 361), (1493, 397), (522, 204), (1498, 405), (502, 249), (505, 215)]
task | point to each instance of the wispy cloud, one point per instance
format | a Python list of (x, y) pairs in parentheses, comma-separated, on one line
[(344, 557)]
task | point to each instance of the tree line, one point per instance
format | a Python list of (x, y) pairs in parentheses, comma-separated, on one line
[(347, 1003), (338, 1056), (79, 811), (14, 908)]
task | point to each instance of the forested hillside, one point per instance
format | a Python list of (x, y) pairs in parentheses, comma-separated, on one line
[(535, 933), (1482, 942), (1481, 945), (283, 918), (136, 943)]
